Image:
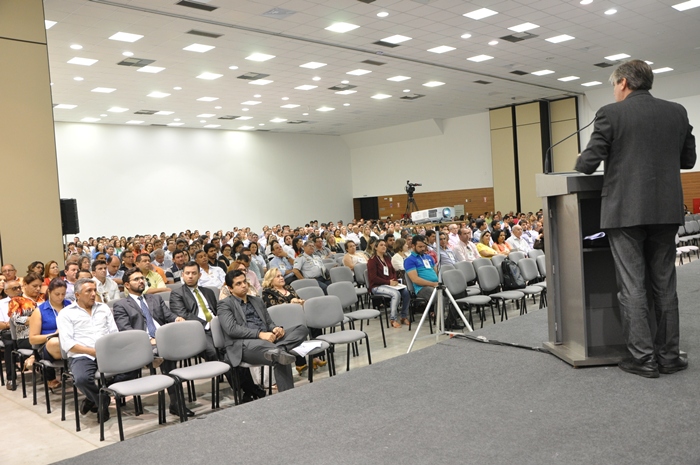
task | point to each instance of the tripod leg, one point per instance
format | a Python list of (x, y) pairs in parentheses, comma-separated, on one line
[(422, 319)]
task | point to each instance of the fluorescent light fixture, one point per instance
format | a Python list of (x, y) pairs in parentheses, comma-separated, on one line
[(480, 13), (523, 27), (306, 87), (128, 54), (591, 83), (398, 78), (246, 128), (407, 90), (586, 2), (257, 95), (345, 82), (250, 102), (125, 37), (78, 78), (619, 56), (212, 126), (117, 109), (649, 62), (177, 88), (244, 117), (662, 70), (203, 121), (382, 14), (245, 109), (358, 72), (466, 36), (396, 39), (134, 121), (434, 84), (175, 124), (209, 76), (259, 57), (278, 120), (261, 82), (176, 119), (206, 115), (341, 27), (611, 11), (90, 120), (150, 69), (305, 114), (346, 92), (65, 106), (316, 78), (289, 105), (680, 6), (313, 65), (324, 108), (493, 42), (103, 115), (380, 96), (568, 78), (82, 61), (158, 94), (163, 113), (207, 99), (480, 58), (560, 38), (441, 49), (233, 67), (103, 90), (199, 48), (76, 47), (49, 24), (542, 72)]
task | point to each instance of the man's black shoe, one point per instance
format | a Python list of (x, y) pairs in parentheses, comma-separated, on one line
[(676, 365), (644, 369), (280, 356), (175, 411), (87, 406), (247, 398)]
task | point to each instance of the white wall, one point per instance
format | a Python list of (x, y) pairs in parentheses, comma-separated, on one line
[(130, 180), (459, 158)]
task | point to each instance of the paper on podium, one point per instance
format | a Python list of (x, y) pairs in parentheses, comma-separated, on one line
[(306, 347)]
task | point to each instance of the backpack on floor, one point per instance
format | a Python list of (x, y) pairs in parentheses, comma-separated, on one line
[(512, 279)]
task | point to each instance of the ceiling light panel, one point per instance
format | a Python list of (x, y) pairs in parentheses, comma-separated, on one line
[(306, 87), (560, 38), (261, 82), (619, 56), (207, 99), (398, 78), (346, 92), (679, 6), (480, 14), (134, 121), (434, 84), (523, 27), (65, 106), (118, 109), (342, 27), (568, 78), (163, 113), (125, 37), (591, 83), (49, 24), (201, 48), (396, 39), (259, 57), (278, 120), (381, 96), (661, 70), (103, 90), (441, 49), (313, 65), (82, 61), (358, 72), (542, 72), (251, 102), (289, 105), (150, 69), (480, 58), (206, 115), (209, 76), (324, 108), (157, 94)]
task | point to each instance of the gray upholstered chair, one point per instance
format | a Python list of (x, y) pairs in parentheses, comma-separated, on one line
[(345, 291), (534, 253), (481, 261), (18, 356), (490, 284), (359, 272), (528, 270), (516, 256), (467, 269), (307, 293), (345, 274), (457, 285), (39, 368), (302, 283)]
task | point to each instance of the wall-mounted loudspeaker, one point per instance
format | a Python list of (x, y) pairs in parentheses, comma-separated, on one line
[(69, 217)]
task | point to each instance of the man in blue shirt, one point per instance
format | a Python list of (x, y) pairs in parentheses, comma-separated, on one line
[(420, 268)]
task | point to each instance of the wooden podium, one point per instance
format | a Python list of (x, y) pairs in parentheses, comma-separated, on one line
[(583, 311)]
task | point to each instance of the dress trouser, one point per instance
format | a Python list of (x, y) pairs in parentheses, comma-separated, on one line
[(641, 252), (84, 368)]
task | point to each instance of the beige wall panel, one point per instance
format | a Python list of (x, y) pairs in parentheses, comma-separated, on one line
[(529, 164), (501, 118), (527, 114), (561, 110), (22, 20), (564, 155), (502, 156), (30, 228)]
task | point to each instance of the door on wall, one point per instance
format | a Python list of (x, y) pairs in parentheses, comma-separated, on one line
[(369, 207)]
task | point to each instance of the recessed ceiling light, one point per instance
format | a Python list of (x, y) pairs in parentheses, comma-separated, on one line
[(206, 115), (134, 121), (76, 47), (523, 27), (90, 120), (358, 72), (212, 126), (341, 27), (289, 105), (346, 104), (199, 48), (176, 119), (315, 78), (480, 58), (202, 121), (324, 108), (345, 82), (591, 83), (466, 36), (433, 84), (65, 106), (380, 96), (312, 65), (278, 120), (407, 90), (649, 62), (398, 78), (78, 78), (586, 2), (560, 38), (346, 92), (285, 98), (177, 88), (619, 56), (382, 14), (245, 109), (480, 13), (396, 39), (542, 72), (209, 76), (233, 67), (306, 87), (117, 109), (150, 69), (175, 124), (207, 99), (261, 82), (441, 49), (125, 37), (164, 113), (158, 94), (128, 54), (611, 11), (259, 57), (493, 42), (568, 78), (661, 70), (250, 102), (244, 117), (82, 61), (103, 90), (257, 95), (103, 115), (245, 128), (680, 6), (217, 108), (49, 24), (261, 124)]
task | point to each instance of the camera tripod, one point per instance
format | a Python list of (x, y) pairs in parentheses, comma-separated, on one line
[(411, 206)]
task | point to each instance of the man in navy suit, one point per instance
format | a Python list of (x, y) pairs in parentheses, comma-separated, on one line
[(645, 142)]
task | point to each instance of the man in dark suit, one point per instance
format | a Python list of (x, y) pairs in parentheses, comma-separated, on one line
[(645, 142), (250, 334), (196, 303)]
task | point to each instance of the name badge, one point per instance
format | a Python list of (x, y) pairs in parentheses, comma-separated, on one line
[(283, 267), (386, 270), (426, 262)]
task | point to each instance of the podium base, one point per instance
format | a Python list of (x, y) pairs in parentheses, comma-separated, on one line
[(612, 355)]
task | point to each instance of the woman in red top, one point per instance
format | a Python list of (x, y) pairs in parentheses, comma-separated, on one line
[(382, 281)]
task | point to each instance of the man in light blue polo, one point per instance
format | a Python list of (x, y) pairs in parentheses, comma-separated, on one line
[(420, 268)]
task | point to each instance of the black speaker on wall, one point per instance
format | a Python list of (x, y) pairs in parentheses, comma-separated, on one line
[(69, 217)]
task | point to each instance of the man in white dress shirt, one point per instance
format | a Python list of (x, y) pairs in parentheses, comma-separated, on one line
[(517, 242), (107, 289), (211, 276), (466, 249)]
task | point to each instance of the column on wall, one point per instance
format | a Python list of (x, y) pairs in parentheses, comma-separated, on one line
[(503, 159), (531, 120), (563, 114), (30, 228)]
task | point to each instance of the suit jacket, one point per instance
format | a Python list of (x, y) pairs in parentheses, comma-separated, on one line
[(232, 319), (645, 142), (127, 313), (183, 303)]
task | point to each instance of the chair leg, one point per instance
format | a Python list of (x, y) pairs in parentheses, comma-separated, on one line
[(348, 357), (99, 417), (382, 326), (119, 416), (46, 392), (35, 367), (369, 356)]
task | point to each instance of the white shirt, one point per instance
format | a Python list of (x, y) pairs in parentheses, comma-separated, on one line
[(453, 240), (138, 302), (77, 326), (466, 252), (289, 251), (215, 278), (530, 236), (520, 244), (200, 312), (4, 304), (108, 291), (353, 237)]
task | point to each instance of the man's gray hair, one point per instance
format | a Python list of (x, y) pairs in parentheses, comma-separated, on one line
[(638, 74), (78, 287), (159, 253)]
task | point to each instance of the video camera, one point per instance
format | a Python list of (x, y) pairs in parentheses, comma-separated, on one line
[(411, 187)]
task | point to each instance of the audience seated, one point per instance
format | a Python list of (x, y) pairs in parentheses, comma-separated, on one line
[(382, 280), (154, 281), (282, 262), (465, 250), (107, 290), (310, 266), (483, 246), (211, 276), (12, 289), (353, 256), (447, 255), (51, 272), (499, 242), (517, 242), (420, 268)]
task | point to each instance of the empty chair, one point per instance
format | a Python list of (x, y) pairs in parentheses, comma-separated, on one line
[(343, 273), (467, 269), (307, 293), (534, 253), (339, 258), (329, 263), (346, 293), (457, 285), (496, 261), (446, 267), (516, 256), (359, 271), (490, 284), (174, 285), (481, 261), (528, 270), (302, 283)]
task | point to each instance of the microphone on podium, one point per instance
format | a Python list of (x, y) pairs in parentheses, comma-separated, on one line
[(548, 153)]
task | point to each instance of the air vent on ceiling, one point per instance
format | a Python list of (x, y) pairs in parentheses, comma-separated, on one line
[(373, 62), (412, 96), (342, 87), (252, 76), (162, 125), (385, 44), (482, 82), (146, 112), (228, 117), (137, 62), (603, 65), (518, 72), (278, 13), (519, 37), (197, 5), (366, 1), (297, 121), (262, 130), (211, 35)]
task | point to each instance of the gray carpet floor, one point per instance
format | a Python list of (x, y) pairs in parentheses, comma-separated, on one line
[(457, 401)]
